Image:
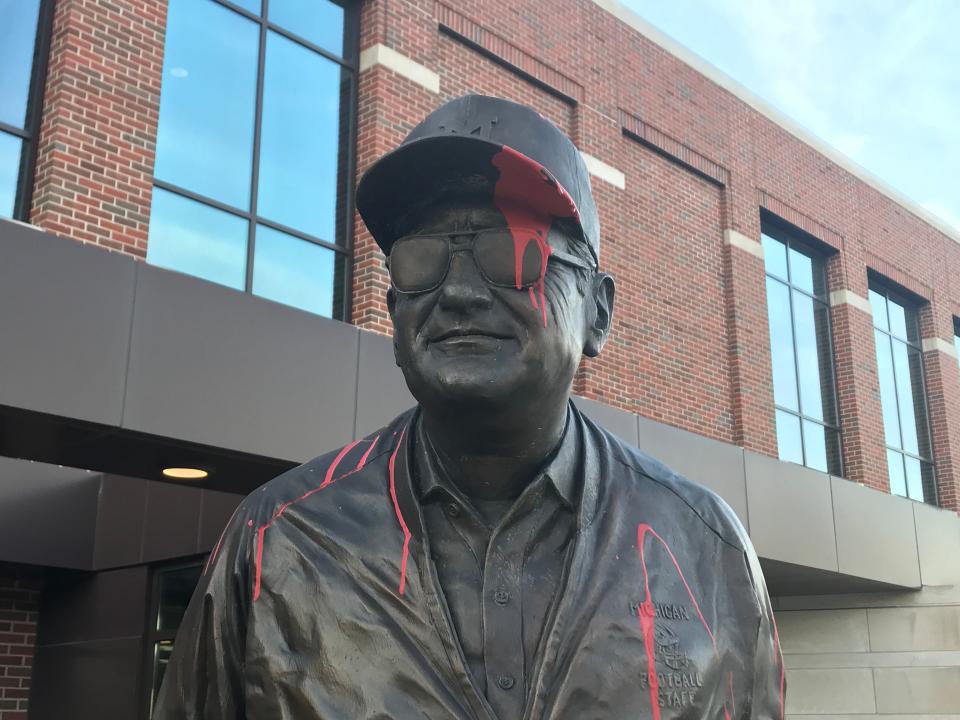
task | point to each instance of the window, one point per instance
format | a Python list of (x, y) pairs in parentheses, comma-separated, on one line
[(252, 176), (896, 331), (956, 336), (24, 28), (172, 590), (801, 352)]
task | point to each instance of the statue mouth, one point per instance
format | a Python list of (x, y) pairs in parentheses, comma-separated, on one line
[(468, 334)]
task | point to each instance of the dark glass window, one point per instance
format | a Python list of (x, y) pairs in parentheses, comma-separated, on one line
[(956, 336), (896, 331), (23, 28), (172, 589), (808, 432), (252, 176)]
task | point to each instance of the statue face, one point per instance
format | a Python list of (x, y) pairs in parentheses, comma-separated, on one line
[(476, 345)]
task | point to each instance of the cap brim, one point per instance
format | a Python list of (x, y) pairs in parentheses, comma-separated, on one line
[(422, 173)]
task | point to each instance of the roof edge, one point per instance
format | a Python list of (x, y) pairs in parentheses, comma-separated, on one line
[(715, 75)]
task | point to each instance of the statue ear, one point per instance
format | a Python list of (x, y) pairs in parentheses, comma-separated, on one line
[(600, 314)]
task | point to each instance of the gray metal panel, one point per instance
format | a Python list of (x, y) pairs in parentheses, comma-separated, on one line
[(938, 543), (119, 533), (214, 366), (47, 514), (88, 681), (715, 464), (381, 390), (172, 521), (217, 509), (80, 608), (875, 534), (64, 325), (791, 514), (621, 423)]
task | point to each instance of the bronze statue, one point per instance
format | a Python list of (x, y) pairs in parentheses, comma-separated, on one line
[(491, 554)]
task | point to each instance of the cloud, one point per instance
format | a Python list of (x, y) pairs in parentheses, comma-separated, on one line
[(948, 215)]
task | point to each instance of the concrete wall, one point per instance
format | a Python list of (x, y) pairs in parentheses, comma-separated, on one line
[(889, 655)]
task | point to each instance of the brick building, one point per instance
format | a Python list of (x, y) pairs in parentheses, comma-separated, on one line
[(184, 284)]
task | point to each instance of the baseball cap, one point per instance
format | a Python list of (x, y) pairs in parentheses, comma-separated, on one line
[(481, 146)]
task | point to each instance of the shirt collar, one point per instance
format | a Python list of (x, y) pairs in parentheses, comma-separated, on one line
[(562, 469)]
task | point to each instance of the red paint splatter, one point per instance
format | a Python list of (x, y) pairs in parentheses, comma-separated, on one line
[(363, 460), (328, 480), (646, 613), (336, 461), (396, 508), (529, 208), (216, 548)]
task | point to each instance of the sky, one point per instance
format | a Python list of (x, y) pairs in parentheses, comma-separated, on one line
[(879, 80)]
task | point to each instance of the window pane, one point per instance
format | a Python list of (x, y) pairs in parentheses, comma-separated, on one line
[(788, 437), (176, 588), (781, 345), (319, 21), (801, 269), (898, 319), (18, 33), (815, 446), (812, 356), (10, 148), (879, 305), (834, 463), (898, 483), (774, 256), (161, 656), (293, 271), (914, 479), (905, 396), (888, 389), (300, 146), (207, 101), (956, 340), (929, 483), (197, 239)]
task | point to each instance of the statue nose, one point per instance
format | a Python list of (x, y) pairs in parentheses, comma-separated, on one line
[(464, 286)]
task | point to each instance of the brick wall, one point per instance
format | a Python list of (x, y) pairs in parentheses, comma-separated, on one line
[(690, 344), (19, 602), (99, 124)]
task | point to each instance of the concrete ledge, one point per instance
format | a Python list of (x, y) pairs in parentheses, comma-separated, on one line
[(380, 54), (848, 297), (608, 173), (739, 240)]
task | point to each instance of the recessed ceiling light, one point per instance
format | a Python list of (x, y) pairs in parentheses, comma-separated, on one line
[(185, 473)]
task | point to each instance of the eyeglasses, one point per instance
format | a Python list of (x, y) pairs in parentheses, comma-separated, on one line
[(420, 263)]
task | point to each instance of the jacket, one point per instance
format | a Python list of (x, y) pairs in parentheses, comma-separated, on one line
[(320, 602)]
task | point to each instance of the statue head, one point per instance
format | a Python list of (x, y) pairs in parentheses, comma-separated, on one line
[(487, 219)]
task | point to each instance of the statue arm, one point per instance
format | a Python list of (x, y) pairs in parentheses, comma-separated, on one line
[(204, 678)]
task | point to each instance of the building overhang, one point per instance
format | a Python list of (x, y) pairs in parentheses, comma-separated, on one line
[(124, 368)]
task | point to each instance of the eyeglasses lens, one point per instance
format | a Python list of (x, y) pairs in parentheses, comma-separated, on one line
[(420, 263)]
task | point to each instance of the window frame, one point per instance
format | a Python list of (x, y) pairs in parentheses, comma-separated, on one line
[(152, 635), (782, 231), (343, 306), (30, 133), (911, 304)]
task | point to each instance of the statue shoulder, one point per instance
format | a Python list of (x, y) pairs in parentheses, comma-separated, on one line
[(711, 509)]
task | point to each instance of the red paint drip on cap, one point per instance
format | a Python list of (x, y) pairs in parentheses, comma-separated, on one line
[(530, 198)]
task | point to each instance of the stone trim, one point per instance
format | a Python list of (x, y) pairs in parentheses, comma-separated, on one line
[(939, 344), (389, 58), (739, 240), (849, 297), (607, 173)]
